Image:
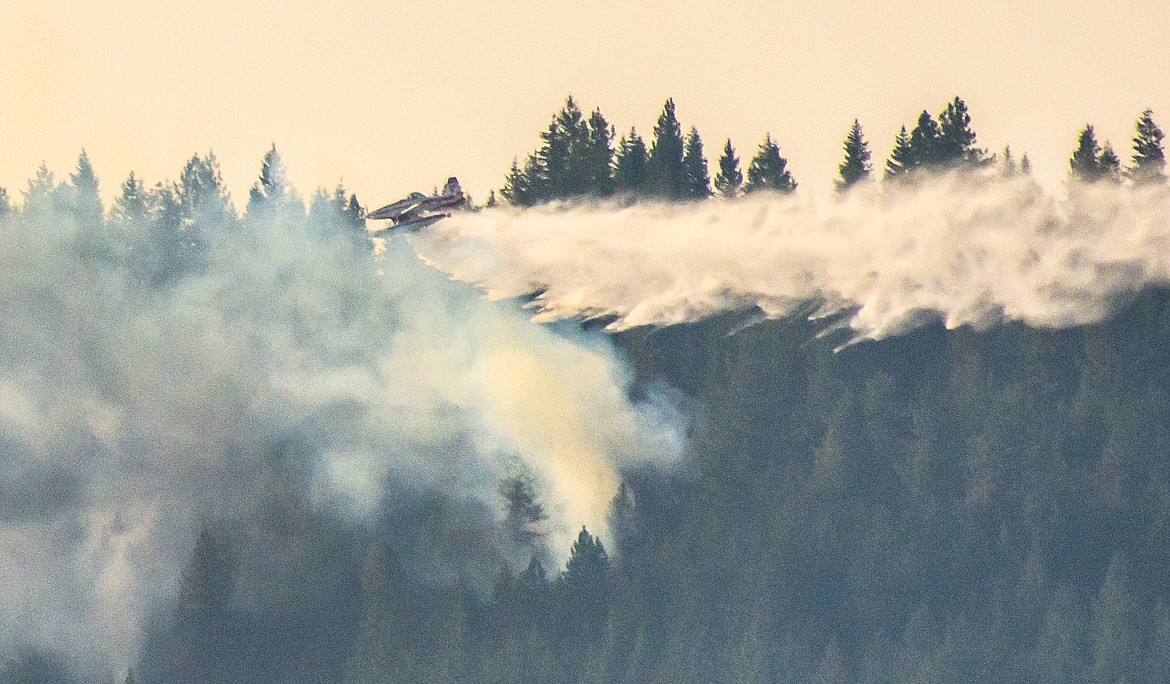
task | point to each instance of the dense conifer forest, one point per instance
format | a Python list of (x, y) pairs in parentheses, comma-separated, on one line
[(939, 506)]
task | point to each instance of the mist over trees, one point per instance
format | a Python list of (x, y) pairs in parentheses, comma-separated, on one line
[(947, 505)]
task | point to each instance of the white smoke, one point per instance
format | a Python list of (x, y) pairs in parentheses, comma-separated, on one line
[(974, 250), (131, 415)]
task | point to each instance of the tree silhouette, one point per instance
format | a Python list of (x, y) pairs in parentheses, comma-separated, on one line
[(729, 179), (856, 166), (768, 170)]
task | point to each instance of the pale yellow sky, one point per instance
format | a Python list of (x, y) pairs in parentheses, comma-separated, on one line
[(396, 96)]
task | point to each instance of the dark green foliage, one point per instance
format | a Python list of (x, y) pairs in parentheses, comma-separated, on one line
[(666, 176), (925, 143), (1084, 165), (1148, 165), (599, 156), (768, 170), (574, 160), (631, 165), (588, 565), (856, 167), (729, 179), (566, 157), (1109, 164), (202, 194), (901, 161), (697, 182), (517, 189), (956, 140)]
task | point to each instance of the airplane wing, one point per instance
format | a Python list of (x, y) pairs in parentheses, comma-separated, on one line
[(394, 211)]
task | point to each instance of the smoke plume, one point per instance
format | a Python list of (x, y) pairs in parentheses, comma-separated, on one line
[(972, 250), (292, 366)]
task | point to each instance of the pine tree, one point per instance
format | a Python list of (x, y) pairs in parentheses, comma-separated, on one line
[(131, 208), (665, 173), (355, 214), (729, 179), (856, 167), (206, 584), (768, 170), (599, 161), (1083, 166), (517, 190), (1148, 165), (1007, 163), (87, 203), (1109, 164), (588, 561), (270, 191), (630, 165), (201, 191), (492, 202), (5, 204), (697, 182), (901, 161), (1025, 165), (565, 154), (925, 143), (41, 193), (956, 139)]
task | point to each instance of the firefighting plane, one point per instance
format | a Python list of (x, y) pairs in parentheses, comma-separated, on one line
[(418, 210)]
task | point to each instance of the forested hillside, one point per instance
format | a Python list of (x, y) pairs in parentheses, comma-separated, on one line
[(942, 505)]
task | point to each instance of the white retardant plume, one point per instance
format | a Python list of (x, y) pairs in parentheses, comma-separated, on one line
[(975, 250), (134, 410)]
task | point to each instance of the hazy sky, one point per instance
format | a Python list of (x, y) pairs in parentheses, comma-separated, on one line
[(396, 96)]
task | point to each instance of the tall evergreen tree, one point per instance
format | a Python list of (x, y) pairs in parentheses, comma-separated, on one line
[(202, 194), (270, 192), (41, 194), (856, 167), (1007, 163), (131, 207), (666, 176), (729, 179), (1109, 164), (696, 180), (566, 154), (517, 190), (599, 150), (5, 204), (1084, 166), (1148, 165), (630, 165), (901, 161), (1025, 165), (925, 143), (956, 139), (86, 202), (355, 214), (768, 170)]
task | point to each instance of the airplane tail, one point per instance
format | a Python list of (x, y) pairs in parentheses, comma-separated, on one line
[(452, 188)]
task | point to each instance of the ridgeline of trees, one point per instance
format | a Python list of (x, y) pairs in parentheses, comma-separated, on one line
[(941, 506), (578, 159), (163, 232)]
